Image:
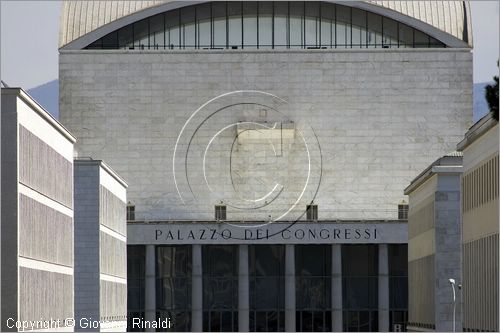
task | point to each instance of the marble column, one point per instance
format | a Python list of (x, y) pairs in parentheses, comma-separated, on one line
[(337, 288), (290, 288), (197, 290), (243, 290), (150, 285), (383, 288)]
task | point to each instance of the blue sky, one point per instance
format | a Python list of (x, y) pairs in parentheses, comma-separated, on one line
[(30, 32)]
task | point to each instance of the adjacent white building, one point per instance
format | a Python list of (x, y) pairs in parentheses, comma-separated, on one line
[(37, 217), (434, 247), (100, 247), (480, 225)]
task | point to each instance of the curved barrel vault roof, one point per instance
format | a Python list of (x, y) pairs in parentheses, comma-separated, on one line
[(83, 22)]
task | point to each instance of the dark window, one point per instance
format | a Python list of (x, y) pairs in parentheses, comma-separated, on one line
[(220, 213), (313, 288), (135, 284), (403, 212), (398, 286), (130, 212), (360, 287), (267, 288), (265, 24), (220, 288), (312, 212), (173, 286)]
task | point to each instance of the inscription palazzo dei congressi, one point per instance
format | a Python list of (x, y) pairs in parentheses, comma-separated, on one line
[(274, 233)]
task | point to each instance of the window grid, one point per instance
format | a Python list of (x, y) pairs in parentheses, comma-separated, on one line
[(130, 212), (480, 185), (403, 212), (220, 213), (354, 28), (312, 212)]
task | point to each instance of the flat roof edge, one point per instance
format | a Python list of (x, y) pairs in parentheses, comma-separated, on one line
[(434, 169), (477, 130), (21, 93), (104, 165)]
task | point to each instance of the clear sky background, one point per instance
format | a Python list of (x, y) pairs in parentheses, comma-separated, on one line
[(30, 32)]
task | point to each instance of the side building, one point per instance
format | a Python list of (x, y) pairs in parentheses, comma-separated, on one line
[(480, 226), (36, 216), (100, 248), (434, 246)]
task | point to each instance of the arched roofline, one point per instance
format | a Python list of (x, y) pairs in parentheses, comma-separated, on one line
[(85, 40)]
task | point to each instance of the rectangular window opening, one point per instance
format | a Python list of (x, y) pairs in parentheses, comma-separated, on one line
[(312, 212), (130, 212), (403, 212), (220, 212)]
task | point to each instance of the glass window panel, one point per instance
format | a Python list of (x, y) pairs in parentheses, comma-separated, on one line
[(313, 277), (234, 23), (188, 27), (306, 324), (312, 24), (204, 25), (141, 37), (365, 257), (358, 28), (318, 324), (360, 292), (321, 266), (421, 39), (220, 287), (267, 291), (215, 321), (135, 280), (227, 322), (296, 24), (219, 24), (398, 259), (249, 24), (157, 30), (220, 261), (435, 43), (326, 37), (313, 292), (110, 41), (173, 285), (280, 24), (204, 33), (172, 29), (390, 38), (360, 281), (356, 37), (265, 24), (173, 261), (343, 28), (267, 260), (327, 24), (374, 30), (125, 37), (405, 35)]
